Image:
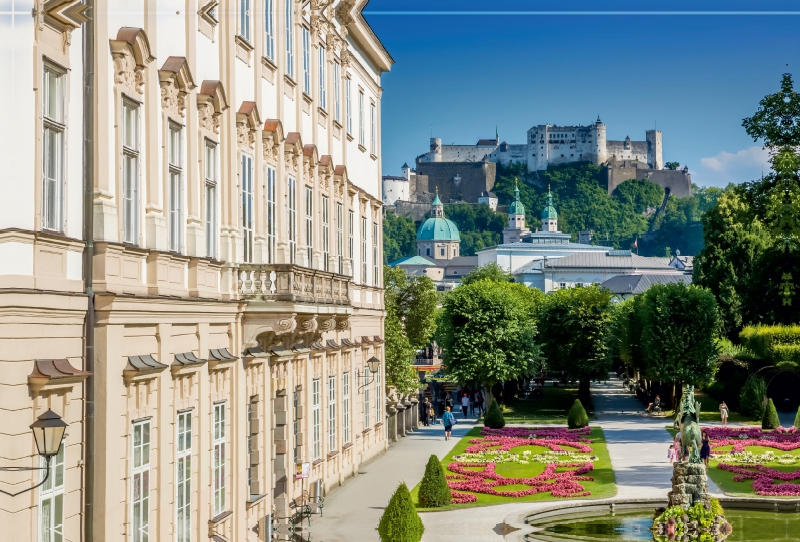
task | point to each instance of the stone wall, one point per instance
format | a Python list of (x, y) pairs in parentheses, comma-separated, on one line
[(458, 180), (679, 183), (412, 209)]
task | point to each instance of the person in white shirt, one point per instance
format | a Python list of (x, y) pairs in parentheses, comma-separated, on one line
[(465, 404)]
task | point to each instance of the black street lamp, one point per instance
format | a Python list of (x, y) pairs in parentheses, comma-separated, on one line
[(374, 364), (48, 433)]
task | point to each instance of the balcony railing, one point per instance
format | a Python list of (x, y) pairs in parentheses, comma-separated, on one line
[(293, 283), (423, 361)]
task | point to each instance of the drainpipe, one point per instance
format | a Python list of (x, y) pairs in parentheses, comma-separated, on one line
[(88, 252)]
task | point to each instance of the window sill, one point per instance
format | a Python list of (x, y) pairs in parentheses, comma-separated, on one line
[(220, 517), (374, 157), (362, 148), (317, 462), (347, 446), (367, 430), (255, 498), (244, 50), (349, 137), (322, 112), (333, 454), (289, 81), (378, 425), (337, 124)]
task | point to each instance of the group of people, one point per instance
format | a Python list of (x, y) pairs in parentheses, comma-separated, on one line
[(679, 452), (471, 403)]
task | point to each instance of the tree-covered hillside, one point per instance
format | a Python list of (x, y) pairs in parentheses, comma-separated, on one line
[(581, 198)]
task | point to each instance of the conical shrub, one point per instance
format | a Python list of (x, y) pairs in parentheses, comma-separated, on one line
[(494, 416), (400, 521), (433, 490), (797, 419), (577, 417), (770, 420)]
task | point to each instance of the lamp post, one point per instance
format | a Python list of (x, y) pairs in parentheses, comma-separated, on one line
[(374, 364), (48, 433)]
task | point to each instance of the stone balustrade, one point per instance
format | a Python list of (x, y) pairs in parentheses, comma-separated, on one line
[(292, 283)]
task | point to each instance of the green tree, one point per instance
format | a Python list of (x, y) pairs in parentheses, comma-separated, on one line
[(679, 340), (494, 416), (490, 271), (770, 419), (487, 330), (639, 195), (433, 490), (399, 237), (752, 397), (577, 417), (400, 521), (797, 418), (672, 165), (574, 325)]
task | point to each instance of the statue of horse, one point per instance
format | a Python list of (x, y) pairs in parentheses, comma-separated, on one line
[(689, 418)]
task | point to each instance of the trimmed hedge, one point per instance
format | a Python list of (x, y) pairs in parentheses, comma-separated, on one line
[(770, 420), (433, 490), (577, 417), (494, 416), (773, 343), (400, 521)]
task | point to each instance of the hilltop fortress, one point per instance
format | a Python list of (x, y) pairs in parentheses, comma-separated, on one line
[(467, 172)]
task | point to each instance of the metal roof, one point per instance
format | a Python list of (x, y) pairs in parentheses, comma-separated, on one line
[(637, 284)]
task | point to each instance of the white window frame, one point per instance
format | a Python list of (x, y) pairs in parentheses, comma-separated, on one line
[(375, 255), (251, 469), (364, 275), (218, 459), (269, 29), (289, 7), (175, 188), (245, 19), (306, 41), (316, 429), (337, 84), (351, 238), (130, 171), (211, 198), (346, 407), (51, 500), (361, 134), (54, 129), (331, 414), (323, 81), (309, 195), (272, 215), (347, 106), (292, 218), (378, 395), (340, 237), (248, 217), (325, 233), (183, 478), (140, 477), (373, 133), (366, 398)]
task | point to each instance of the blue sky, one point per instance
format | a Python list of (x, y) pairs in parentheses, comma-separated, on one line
[(695, 75)]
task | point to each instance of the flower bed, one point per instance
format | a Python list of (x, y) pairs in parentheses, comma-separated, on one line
[(487, 481), (766, 481), (741, 437), (504, 456), (539, 432), (749, 458)]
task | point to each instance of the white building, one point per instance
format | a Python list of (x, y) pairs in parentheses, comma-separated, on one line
[(488, 198), (554, 145), (397, 188)]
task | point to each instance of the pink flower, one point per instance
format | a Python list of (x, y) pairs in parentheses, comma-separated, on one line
[(764, 479)]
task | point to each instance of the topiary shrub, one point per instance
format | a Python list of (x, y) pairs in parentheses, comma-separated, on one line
[(400, 521), (433, 490), (752, 398), (494, 416), (797, 419), (577, 417), (770, 420)]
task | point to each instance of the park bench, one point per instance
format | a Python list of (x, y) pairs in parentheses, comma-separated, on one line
[(303, 507)]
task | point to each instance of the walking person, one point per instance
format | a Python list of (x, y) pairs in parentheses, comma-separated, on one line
[(471, 403), (424, 412), (723, 413), (479, 402), (671, 453), (705, 449), (449, 421), (465, 404)]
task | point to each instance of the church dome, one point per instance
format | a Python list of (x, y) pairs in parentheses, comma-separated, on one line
[(437, 227), (516, 207), (549, 212)]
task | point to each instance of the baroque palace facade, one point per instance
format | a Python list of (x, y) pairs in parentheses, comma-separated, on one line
[(190, 262)]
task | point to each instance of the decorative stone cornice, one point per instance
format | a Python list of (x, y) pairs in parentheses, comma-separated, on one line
[(131, 55), (211, 102), (62, 15), (293, 150), (247, 122), (176, 82), (272, 137)]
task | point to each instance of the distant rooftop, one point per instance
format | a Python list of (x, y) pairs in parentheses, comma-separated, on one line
[(637, 284)]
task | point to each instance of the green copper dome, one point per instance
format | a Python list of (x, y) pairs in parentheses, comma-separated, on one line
[(549, 212), (437, 227), (516, 207)]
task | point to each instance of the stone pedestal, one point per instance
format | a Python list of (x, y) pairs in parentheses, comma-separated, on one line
[(401, 419), (409, 414), (414, 413), (689, 485)]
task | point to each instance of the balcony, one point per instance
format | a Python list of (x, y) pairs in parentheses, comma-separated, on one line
[(291, 283)]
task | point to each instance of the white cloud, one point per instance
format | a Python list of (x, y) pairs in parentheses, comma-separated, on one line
[(742, 166)]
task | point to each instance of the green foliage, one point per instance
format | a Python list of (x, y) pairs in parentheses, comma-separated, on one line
[(797, 418), (574, 326), (776, 344), (410, 323), (752, 397), (680, 325), (479, 226), (494, 416), (577, 417), (400, 521), (399, 237), (639, 194), (770, 419), (626, 332), (672, 165), (490, 271), (716, 507), (433, 490), (487, 331), (695, 513)]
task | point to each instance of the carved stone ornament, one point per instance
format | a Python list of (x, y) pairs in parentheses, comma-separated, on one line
[(326, 323), (292, 151), (131, 55), (342, 323), (271, 138), (247, 123), (62, 15), (176, 82), (211, 102)]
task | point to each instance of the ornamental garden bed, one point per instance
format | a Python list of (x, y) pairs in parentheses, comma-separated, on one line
[(747, 461), (527, 464)]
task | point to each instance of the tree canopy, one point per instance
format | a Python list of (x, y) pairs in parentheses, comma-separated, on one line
[(399, 237), (489, 271)]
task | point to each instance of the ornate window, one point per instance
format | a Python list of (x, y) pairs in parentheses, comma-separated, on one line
[(292, 182), (53, 151), (175, 168), (348, 109), (366, 398), (219, 459), (306, 61), (269, 29), (364, 250), (244, 19), (247, 207), (361, 134), (310, 225), (331, 413), (211, 199), (183, 486), (351, 240), (337, 75), (316, 447), (51, 501), (346, 408), (373, 141), (130, 172), (340, 238), (375, 255), (272, 215), (140, 482)]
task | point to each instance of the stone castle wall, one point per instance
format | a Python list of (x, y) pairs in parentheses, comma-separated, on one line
[(475, 177), (678, 182)]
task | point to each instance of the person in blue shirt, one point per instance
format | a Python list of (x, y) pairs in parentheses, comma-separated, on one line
[(449, 421)]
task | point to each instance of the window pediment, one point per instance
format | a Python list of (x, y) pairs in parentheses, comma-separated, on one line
[(131, 55), (247, 122), (176, 82), (211, 102), (293, 150), (272, 137)]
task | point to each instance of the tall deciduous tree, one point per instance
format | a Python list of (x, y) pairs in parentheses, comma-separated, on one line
[(489, 271), (488, 332), (574, 327)]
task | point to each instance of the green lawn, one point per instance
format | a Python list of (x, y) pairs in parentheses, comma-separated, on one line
[(549, 407), (603, 485)]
